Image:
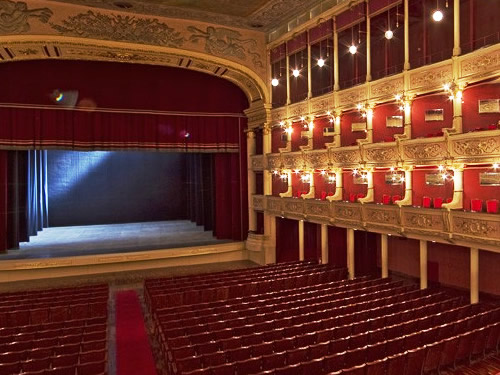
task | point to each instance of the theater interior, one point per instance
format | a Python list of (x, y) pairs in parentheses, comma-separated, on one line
[(271, 187)]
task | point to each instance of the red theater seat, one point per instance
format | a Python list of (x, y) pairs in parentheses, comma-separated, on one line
[(396, 198), (448, 200), (492, 127), (323, 195), (492, 206), (476, 205), (426, 202), (386, 199), (360, 195), (352, 198), (437, 202)]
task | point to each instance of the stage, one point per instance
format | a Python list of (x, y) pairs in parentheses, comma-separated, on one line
[(112, 238)]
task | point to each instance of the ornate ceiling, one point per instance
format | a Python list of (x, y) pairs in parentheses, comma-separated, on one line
[(255, 14)]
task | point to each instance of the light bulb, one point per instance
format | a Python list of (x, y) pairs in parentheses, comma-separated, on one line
[(495, 165), (289, 130), (296, 73), (275, 82), (311, 125), (275, 172), (389, 34), (331, 178), (437, 15), (353, 49), (321, 62), (397, 97), (440, 168), (323, 172), (443, 176), (282, 123), (331, 121)]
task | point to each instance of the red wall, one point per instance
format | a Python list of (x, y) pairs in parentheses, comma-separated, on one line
[(321, 184), (318, 139), (297, 136), (287, 240), (350, 187), (489, 264), (279, 185), (381, 188), (473, 190), (472, 119), (380, 130), (276, 142), (337, 246), (420, 128), (347, 136), (312, 241), (420, 189)]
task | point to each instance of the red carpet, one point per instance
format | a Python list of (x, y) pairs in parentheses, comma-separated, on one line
[(133, 352)]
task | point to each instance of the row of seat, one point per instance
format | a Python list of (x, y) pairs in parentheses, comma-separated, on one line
[(25, 316), (35, 365), (332, 339), (333, 328), (91, 368), (214, 293), (49, 302), (231, 274), (206, 308), (63, 338), (90, 290), (233, 280), (420, 349), (306, 301), (251, 329), (53, 326), (288, 312)]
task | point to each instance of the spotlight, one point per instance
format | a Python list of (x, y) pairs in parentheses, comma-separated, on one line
[(353, 49), (389, 34), (437, 16), (295, 73), (321, 62), (275, 82)]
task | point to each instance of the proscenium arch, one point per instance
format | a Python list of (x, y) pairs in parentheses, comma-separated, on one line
[(29, 47)]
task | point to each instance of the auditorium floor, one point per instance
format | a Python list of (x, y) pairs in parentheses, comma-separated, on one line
[(112, 238)]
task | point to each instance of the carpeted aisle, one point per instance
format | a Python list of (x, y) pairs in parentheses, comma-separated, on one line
[(133, 352)]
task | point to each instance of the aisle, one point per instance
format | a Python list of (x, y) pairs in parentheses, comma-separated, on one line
[(133, 352)]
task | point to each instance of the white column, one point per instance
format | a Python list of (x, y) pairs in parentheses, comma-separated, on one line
[(301, 239), (287, 79), (423, 264), (336, 86), (368, 48), (309, 69), (350, 253), (406, 65), (456, 28), (324, 244), (270, 243), (252, 216), (474, 275), (384, 255)]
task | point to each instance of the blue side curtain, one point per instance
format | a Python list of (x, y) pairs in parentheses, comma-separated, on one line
[(37, 192)]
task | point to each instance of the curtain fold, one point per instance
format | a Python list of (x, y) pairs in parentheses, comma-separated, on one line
[(200, 189), (37, 191), (17, 216), (37, 128)]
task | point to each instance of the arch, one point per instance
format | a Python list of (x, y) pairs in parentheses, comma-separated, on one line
[(35, 47)]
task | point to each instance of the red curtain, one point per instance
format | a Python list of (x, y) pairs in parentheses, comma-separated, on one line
[(3, 199), (337, 246), (287, 240), (44, 128), (228, 198), (312, 241)]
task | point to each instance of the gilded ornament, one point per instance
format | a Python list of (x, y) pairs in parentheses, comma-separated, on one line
[(15, 16), (474, 147)]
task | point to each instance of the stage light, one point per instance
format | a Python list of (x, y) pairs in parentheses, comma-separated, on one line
[(437, 15), (353, 49), (296, 73), (321, 62), (275, 82), (389, 34)]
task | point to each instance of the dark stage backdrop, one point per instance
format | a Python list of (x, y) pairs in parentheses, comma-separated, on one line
[(104, 187)]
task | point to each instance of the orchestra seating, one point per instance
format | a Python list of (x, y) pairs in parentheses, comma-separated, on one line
[(54, 332), (305, 318)]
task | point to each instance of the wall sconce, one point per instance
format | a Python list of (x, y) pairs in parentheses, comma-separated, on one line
[(365, 109), (453, 90)]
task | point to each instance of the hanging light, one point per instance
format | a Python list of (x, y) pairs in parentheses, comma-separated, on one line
[(389, 34), (296, 73), (437, 15), (275, 82), (353, 49), (321, 62)]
